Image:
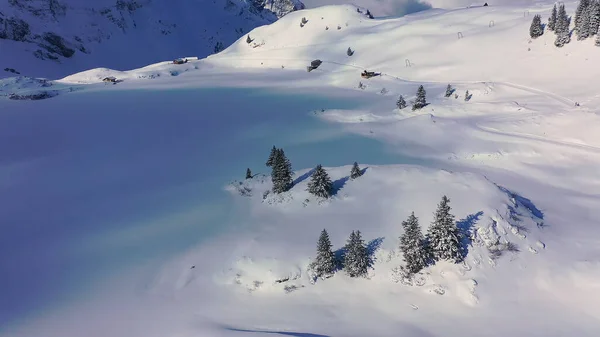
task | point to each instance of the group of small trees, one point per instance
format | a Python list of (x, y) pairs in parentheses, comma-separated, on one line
[(442, 242), (421, 99), (559, 22), (320, 183), (450, 90), (419, 102), (355, 259)]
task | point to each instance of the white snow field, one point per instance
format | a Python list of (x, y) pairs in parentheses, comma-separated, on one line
[(123, 217)]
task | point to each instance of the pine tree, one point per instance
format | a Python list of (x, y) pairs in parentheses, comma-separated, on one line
[(401, 103), (324, 264), (248, 40), (443, 236), (467, 96), (355, 172), (412, 245), (580, 13), (320, 184), (594, 18), (248, 173), (272, 155), (583, 32), (420, 101), (563, 34), (449, 91), (281, 174), (349, 52), (552, 19), (369, 14), (356, 257), (536, 30)]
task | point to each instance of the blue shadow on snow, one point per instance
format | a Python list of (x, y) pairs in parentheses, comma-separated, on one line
[(283, 333)]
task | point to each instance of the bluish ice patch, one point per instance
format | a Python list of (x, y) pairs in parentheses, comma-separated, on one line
[(91, 183)]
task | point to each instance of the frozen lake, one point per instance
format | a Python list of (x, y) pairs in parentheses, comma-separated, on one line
[(94, 182)]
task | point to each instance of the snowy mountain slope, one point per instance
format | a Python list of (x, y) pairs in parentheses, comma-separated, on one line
[(518, 161), (53, 38)]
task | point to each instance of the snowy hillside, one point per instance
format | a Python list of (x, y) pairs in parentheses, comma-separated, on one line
[(53, 38), (134, 198)]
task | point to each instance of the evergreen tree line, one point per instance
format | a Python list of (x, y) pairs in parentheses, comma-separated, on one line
[(320, 184), (442, 242)]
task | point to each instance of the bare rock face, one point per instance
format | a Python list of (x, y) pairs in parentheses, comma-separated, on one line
[(57, 31)]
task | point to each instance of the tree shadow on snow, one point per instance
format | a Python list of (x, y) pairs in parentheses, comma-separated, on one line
[(465, 228), (303, 177), (283, 333), (372, 248), (528, 204), (338, 185)]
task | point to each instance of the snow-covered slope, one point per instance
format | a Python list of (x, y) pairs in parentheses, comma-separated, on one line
[(53, 38), (144, 163)]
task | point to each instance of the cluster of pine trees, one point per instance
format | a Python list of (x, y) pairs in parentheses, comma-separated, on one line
[(442, 242), (559, 22), (419, 103), (320, 183), (421, 99), (586, 25)]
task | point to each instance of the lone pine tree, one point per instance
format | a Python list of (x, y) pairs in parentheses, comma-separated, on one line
[(281, 173), (420, 101), (248, 173), (449, 91), (552, 19), (272, 155), (580, 12), (583, 32), (325, 263), (412, 245), (443, 236), (355, 172), (594, 13), (536, 30), (401, 103), (320, 184), (356, 257)]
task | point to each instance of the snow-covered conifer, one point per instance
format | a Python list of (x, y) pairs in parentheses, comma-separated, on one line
[(580, 13), (594, 18), (272, 155), (401, 103), (412, 245), (553, 18), (355, 172), (281, 174), (449, 91), (421, 100), (320, 184), (349, 52), (248, 173), (563, 34), (356, 257), (536, 30), (324, 264), (583, 32), (443, 236)]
